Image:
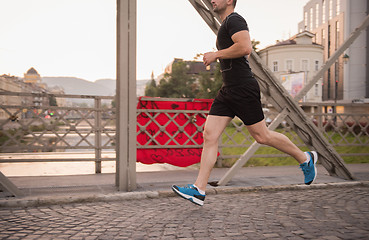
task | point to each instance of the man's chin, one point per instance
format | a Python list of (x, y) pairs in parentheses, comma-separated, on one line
[(217, 10)]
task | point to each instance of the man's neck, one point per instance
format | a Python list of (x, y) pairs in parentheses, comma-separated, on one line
[(226, 13)]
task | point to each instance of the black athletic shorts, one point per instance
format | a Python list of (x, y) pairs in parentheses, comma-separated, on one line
[(241, 101)]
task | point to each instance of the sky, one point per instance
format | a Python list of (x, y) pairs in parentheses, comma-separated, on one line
[(77, 38)]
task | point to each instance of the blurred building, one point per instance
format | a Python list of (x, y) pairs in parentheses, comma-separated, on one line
[(294, 62), (33, 77), (332, 22), (31, 83), (9, 84), (193, 68), (61, 102), (34, 84)]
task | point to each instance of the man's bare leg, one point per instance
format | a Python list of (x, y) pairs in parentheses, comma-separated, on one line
[(263, 135), (214, 127), (279, 141)]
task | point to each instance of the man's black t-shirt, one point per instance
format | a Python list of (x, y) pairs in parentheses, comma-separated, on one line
[(235, 71)]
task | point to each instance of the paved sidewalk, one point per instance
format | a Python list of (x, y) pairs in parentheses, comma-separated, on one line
[(330, 214), (101, 187), (259, 203)]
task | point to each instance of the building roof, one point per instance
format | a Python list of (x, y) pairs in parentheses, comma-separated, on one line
[(304, 37), (293, 39), (304, 33), (32, 71), (286, 42)]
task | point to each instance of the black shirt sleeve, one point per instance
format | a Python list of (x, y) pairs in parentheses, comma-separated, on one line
[(235, 24)]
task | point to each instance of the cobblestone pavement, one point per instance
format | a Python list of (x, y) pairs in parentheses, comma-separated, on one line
[(333, 213)]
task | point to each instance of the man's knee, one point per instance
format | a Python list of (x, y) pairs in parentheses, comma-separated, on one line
[(210, 137), (262, 138)]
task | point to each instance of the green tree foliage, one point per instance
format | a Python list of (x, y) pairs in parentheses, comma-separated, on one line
[(180, 84), (255, 44), (209, 84), (151, 89)]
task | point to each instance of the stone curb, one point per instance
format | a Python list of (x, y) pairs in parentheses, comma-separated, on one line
[(85, 198), (291, 187)]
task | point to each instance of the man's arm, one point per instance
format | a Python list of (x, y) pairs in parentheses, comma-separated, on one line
[(242, 46)]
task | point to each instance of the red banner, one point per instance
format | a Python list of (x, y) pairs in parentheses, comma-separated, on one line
[(172, 127)]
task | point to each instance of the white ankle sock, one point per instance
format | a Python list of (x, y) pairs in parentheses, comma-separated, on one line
[(200, 191), (308, 157)]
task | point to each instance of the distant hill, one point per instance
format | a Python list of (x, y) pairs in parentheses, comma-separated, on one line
[(108, 83), (78, 86), (141, 84)]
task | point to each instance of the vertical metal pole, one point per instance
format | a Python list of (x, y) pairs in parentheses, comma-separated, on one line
[(220, 150), (320, 118), (132, 96), (97, 135), (126, 95)]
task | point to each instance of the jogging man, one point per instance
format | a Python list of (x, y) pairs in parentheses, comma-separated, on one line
[(239, 96)]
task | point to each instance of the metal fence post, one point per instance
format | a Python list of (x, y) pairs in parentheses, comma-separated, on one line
[(98, 134), (220, 150), (126, 95)]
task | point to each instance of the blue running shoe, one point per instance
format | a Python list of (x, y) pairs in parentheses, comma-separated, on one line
[(190, 193), (309, 168)]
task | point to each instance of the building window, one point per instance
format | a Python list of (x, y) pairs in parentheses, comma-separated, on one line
[(329, 41), (330, 9), (289, 65), (336, 78), (336, 71), (275, 66), (323, 37), (317, 15), (323, 12), (304, 65), (338, 7), (316, 65), (305, 20), (337, 34), (316, 90), (329, 84), (311, 19)]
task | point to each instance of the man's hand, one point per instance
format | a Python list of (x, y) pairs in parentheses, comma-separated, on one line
[(209, 58), (242, 47)]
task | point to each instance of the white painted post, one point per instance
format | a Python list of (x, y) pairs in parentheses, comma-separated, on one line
[(98, 131)]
